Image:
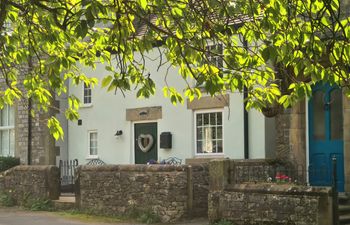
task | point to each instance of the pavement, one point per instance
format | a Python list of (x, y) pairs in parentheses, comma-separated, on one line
[(16, 216)]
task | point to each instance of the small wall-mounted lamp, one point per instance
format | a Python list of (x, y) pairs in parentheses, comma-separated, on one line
[(118, 133)]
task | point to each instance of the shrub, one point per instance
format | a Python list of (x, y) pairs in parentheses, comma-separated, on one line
[(142, 215), (223, 222), (148, 217), (6, 199), (7, 162), (41, 205)]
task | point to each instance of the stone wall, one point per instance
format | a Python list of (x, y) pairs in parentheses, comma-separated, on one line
[(271, 204), (42, 143), (172, 192), (23, 182), (264, 202), (200, 189), (291, 135)]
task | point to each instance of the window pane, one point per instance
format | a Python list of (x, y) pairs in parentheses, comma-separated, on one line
[(199, 119), (206, 118), (219, 146), (93, 151), (199, 147), (5, 142), (336, 108), (319, 127), (93, 143), (4, 116), (219, 118), (212, 118), (214, 147), (213, 132), (219, 132), (12, 116), (207, 133), (199, 133), (12, 142)]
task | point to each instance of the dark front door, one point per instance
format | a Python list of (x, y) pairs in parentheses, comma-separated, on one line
[(326, 135), (145, 142)]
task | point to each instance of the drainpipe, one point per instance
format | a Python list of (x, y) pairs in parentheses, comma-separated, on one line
[(245, 125), (245, 117)]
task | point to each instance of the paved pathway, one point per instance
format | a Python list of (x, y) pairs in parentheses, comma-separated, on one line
[(14, 216)]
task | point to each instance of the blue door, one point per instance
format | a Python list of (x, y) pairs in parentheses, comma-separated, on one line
[(326, 135)]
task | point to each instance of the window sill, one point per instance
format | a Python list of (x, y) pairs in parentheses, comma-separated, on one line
[(210, 155), (86, 105), (92, 157)]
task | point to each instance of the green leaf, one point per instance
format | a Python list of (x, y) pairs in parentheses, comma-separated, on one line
[(106, 81), (55, 128), (143, 3)]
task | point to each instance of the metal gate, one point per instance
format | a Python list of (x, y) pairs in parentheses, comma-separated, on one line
[(67, 168)]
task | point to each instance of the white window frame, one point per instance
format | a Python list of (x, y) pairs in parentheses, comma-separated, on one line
[(89, 147), (8, 128), (210, 59), (213, 59), (88, 104), (217, 110)]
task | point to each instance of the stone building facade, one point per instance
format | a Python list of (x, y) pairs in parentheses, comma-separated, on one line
[(30, 139), (292, 141)]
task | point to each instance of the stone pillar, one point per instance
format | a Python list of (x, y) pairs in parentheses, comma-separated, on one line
[(219, 177), (219, 170), (346, 127), (190, 191), (291, 135)]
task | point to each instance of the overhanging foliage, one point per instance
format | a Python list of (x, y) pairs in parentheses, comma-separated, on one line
[(273, 49)]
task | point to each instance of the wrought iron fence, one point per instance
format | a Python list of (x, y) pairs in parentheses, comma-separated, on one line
[(67, 168), (268, 173)]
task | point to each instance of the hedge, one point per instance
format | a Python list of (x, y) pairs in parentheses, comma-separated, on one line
[(7, 162)]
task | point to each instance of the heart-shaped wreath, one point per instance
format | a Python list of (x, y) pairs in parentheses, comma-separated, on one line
[(145, 142)]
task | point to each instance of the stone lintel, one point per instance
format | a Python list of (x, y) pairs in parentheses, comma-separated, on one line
[(209, 102), (144, 113)]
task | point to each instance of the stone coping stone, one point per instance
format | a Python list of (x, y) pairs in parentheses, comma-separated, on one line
[(283, 189), (142, 168), (29, 168)]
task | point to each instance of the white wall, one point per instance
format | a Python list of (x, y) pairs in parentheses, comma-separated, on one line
[(256, 134), (62, 144), (108, 112)]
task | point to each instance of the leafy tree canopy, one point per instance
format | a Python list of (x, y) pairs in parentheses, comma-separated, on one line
[(274, 50)]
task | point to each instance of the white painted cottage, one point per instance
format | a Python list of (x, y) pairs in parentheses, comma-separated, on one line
[(121, 129)]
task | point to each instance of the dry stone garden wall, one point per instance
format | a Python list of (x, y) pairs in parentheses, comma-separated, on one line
[(246, 203), (23, 182), (172, 192)]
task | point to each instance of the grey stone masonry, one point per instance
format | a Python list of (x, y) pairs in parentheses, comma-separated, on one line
[(42, 143), (23, 182), (271, 204), (172, 192), (260, 202)]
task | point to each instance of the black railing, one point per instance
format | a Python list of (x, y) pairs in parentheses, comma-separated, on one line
[(267, 173), (67, 168), (297, 174), (335, 192)]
